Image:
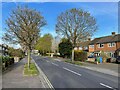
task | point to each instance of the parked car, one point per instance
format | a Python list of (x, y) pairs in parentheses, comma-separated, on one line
[(118, 59)]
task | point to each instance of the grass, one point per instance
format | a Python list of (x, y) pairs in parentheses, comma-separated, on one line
[(32, 71), (92, 62), (75, 62)]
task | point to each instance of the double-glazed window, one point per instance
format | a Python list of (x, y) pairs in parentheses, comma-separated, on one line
[(111, 54), (111, 44), (100, 45), (91, 46)]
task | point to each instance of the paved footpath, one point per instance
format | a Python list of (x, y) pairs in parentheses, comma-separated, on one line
[(13, 78)]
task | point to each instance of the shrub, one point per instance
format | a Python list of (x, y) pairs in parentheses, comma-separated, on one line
[(65, 48), (104, 56), (80, 55)]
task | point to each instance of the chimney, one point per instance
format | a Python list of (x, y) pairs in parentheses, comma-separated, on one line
[(113, 33)]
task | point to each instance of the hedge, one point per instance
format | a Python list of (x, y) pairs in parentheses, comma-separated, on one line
[(5, 61), (80, 55)]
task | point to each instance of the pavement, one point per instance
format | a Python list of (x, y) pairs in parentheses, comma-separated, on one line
[(13, 78), (65, 75)]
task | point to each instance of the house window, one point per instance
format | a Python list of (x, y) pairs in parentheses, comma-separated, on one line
[(80, 48), (111, 44), (75, 48), (111, 54), (91, 46), (85, 48), (100, 45)]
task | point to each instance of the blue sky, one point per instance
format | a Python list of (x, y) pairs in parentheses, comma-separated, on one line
[(106, 14)]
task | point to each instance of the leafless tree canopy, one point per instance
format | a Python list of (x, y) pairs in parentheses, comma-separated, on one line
[(76, 25), (23, 27)]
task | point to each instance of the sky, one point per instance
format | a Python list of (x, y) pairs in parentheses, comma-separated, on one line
[(105, 13)]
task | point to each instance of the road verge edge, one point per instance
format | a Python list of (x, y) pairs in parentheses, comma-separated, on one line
[(45, 81)]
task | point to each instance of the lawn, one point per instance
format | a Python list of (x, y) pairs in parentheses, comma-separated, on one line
[(32, 71), (75, 62)]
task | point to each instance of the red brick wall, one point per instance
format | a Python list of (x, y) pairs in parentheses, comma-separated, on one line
[(105, 48), (91, 49), (118, 45)]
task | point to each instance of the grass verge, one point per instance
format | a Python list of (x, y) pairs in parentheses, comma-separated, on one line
[(32, 71), (75, 62)]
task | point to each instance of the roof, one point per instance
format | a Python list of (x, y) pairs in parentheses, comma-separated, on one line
[(83, 44), (106, 39), (94, 41)]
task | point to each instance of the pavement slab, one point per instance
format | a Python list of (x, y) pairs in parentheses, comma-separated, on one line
[(13, 78)]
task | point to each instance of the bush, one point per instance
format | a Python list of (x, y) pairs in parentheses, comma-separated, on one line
[(65, 48), (80, 55)]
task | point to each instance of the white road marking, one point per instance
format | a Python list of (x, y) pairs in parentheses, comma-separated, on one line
[(71, 71), (107, 86), (55, 64)]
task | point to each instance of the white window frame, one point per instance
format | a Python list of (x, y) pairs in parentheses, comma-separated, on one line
[(111, 54), (111, 44), (80, 48), (85, 47), (91, 46), (99, 45)]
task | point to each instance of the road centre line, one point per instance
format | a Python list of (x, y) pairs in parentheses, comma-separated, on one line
[(55, 64), (71, 71), (107, 86)]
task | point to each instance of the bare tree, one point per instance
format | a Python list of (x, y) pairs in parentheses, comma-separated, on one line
[(23, 27), (55, 43), (77, 25)]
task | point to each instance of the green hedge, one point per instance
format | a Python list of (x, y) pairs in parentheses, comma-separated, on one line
[(5, 61), (80, 55)]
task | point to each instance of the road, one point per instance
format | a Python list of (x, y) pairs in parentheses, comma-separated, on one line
[(65, 75)]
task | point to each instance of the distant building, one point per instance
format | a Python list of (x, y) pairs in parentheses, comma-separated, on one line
[(108, 44), (3, 50), (83, 45)]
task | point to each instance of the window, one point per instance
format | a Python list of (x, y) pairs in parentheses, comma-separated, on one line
[(85, 48), (80, 48), (111, 44), (111, 54), (100, 45), (91, 46), (75, 48)]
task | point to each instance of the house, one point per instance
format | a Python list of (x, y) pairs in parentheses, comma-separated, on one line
[(108, 44), (83, 45)]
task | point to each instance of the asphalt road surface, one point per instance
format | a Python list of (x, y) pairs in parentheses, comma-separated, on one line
[(65, 75)]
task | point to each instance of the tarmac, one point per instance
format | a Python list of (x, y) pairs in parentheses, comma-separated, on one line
[(106, 68)]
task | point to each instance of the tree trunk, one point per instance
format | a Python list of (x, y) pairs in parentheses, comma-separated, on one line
[(28, 59), (73, 55)]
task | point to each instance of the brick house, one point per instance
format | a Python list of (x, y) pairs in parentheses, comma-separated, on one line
[(83, 45), (108, 44)]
